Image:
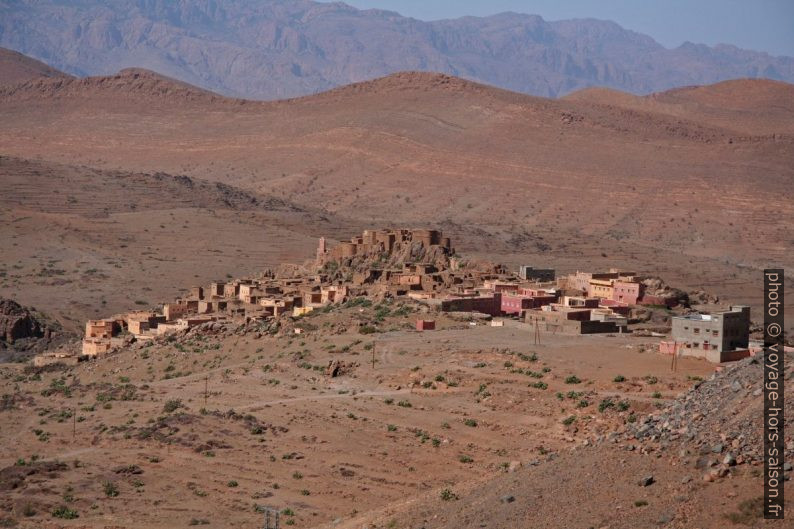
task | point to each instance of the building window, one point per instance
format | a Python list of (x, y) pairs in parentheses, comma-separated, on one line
[(697, 330)]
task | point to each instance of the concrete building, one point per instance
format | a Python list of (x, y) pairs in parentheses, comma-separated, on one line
[(528, 273), (719, 337), (568, 320)]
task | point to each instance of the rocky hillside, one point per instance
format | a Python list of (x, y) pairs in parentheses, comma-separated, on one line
[(280, 48), (17, 68), (718, 424), (24, 332)]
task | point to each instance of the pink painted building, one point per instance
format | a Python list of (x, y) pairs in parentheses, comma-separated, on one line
[(627, 292)]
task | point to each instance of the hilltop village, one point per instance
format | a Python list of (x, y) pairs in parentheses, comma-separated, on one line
[(422, 265)]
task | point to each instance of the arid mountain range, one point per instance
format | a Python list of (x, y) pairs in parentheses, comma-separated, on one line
[(271, 49), (694, 183)]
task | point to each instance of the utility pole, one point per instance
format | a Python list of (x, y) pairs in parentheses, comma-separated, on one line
[(271, 515), (206, 387)]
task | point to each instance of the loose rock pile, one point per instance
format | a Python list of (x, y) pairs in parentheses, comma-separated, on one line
[(718, 423)]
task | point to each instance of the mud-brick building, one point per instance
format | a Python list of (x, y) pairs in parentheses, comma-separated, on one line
[(719, 337)]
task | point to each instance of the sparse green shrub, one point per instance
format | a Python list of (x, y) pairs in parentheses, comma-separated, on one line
[(605, 404), (172, 405), (110, 488), (619, 378), (573, 379), (65, 513), (448, 495)]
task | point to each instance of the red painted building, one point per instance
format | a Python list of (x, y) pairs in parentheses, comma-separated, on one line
[(515, 303), (425, 325), (486, 304)]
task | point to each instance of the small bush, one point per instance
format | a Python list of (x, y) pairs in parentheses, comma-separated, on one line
[(605, 405), (463, 458), (65, 513), (573, 379), (640, 503), (619, 378), (448, 495), (569, 420), (172, 405), (391, 428), (232, 484), (404, 404), (110, 488), (749, 511), (470, 423)]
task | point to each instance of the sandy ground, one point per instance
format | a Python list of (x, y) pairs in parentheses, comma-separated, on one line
[(331, 448)]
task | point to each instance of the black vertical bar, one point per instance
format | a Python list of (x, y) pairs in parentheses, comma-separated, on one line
[(774, 376)]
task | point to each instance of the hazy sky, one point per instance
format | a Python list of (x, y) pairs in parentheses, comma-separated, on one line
[(763, 25)]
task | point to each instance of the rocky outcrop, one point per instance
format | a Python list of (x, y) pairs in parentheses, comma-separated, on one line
[(17, 322), (24, 332)]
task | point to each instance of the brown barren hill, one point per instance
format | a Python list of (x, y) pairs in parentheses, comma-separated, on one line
[(18, 68), (571, 181), (750, 106)]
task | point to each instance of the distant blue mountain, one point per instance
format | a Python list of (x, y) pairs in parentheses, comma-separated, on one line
[(269, 49)]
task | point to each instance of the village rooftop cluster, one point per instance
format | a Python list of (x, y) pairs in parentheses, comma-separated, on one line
[(422, 265)]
